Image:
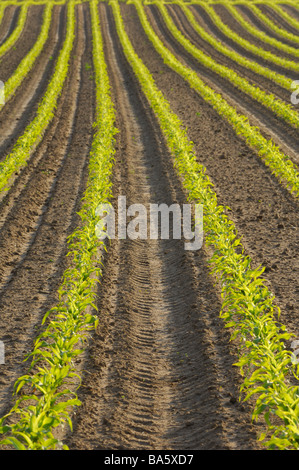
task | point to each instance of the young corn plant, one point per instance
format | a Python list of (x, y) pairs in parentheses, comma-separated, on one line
[(11, 40), (280, 31), (33, 134), (248, 306), (27, 62), (259, 51), (290, 19), (279, 163), (68, 324), (279, 107), (276, 77)]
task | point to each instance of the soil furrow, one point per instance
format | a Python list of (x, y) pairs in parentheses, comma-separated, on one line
[(153, 375), (264, 213), (22, 106), (270, 125), (205, 21), (34, 233), (9, 21)]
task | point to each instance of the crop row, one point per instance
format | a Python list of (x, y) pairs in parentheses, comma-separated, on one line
[(27, 62), (279, 107), (279, 163), (289, 19), (33, 133), (17, 31), (260, 34), (72, 319), (248, 305), (276, 29), (259, 51), (281, 80)]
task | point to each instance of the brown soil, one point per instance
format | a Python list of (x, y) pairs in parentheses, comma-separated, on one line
[(8, 22), (158, 373)]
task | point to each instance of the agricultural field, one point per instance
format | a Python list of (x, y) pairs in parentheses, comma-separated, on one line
[(137, 341)]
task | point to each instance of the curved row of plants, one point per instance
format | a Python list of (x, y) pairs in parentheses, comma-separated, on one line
[(273, 26), (28, 61), (279, 107), (278, 78), (13, 37), (279, 163), (260, 34), (281, 12), (69, 323), (33, 133), (248, 306), (259, 51)]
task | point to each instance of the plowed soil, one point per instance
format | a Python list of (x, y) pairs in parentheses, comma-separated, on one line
[(158, 373)]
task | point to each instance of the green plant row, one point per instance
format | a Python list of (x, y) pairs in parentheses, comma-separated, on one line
[(27, 62), (260, 34), (281, 80), (16, 32), (238, 2), (259, 51), (290, 19), (45, 112), (72, 319), (279, 107), (280, 31), (223, 2), (248, 305), (279, 163)]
